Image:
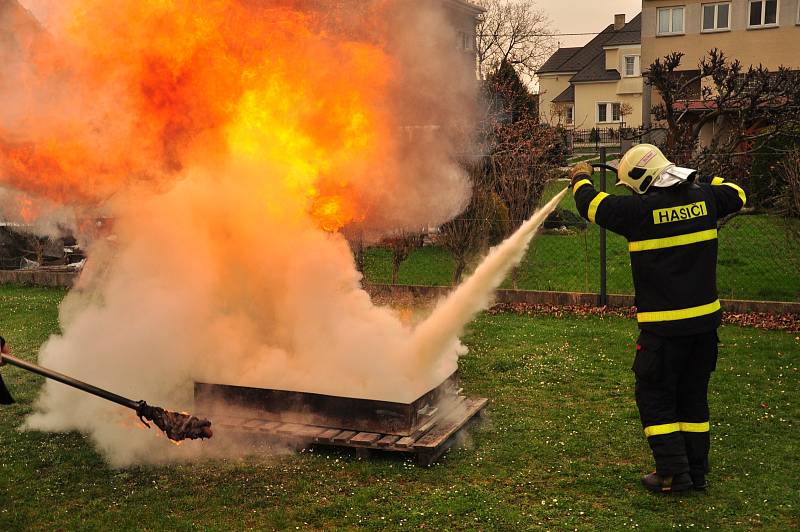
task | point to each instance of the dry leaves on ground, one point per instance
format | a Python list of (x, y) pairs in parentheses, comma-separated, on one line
[(760, 320)]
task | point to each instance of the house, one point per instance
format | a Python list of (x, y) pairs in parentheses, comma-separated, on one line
[(765, 32), (598, 85), (19, 31), (463, 18), (446, 31)]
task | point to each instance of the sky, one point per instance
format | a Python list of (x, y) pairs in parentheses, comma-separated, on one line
[(578, 16)]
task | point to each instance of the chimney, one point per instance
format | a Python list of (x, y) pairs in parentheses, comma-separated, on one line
[(619, 21)]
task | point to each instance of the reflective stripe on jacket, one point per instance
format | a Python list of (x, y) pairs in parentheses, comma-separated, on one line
[(672, 240)]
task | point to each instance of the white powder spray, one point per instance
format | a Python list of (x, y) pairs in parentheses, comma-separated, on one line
[(220, 142), (438, 335)]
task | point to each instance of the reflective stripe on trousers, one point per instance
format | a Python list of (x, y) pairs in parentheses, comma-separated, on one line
[(680, 426), (679, 314)]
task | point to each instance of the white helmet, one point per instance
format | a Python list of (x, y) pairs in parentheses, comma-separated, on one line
[(640, 166)]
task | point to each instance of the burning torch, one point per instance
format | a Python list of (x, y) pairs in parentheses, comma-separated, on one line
[(177, 426)]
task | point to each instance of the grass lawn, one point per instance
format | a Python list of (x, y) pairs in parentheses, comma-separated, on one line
[(591, 157), (561, 448), (756, 261)]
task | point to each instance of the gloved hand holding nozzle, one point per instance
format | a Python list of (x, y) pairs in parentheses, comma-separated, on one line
[(579, 172)]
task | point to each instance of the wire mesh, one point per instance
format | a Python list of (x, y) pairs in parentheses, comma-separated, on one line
[(759, 257)]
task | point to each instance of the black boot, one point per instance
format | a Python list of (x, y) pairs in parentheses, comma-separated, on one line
[(698, 480), (697, 445), (667, 484)]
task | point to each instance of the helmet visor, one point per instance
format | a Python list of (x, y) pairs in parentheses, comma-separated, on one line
[(637, 172)]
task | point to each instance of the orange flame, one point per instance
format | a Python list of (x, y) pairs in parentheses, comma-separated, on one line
[(154, 86), (27, 209)]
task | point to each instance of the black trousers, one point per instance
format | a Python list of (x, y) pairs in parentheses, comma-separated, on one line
[(5, 396), (672, 375)]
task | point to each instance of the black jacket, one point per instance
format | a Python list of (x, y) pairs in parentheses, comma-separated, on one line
[(672, 239)]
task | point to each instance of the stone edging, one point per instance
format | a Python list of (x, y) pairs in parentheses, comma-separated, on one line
[(532, 297), (38, 277)]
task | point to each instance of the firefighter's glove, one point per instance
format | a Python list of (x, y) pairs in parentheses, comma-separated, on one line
[(580, 171)]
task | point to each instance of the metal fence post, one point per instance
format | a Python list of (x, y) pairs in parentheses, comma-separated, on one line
[(603, 290)]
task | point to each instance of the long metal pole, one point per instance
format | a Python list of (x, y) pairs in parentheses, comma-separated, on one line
[(603, 290), (69, 381)]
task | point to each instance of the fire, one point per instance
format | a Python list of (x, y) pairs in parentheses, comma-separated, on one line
[(155, 86), (219, 140), (321, 127), (27, 209)]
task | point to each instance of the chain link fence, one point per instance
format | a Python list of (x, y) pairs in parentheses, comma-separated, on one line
[(759, 257)]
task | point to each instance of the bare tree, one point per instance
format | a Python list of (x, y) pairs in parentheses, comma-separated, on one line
[(625, 109), (518, 155), (401, 244), (751, 110), (522, 162), (355, 238), (522, 153), (466, 235), (516, 32), (789, 201)]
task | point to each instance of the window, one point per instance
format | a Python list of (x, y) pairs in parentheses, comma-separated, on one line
[(763, 13), (570, 115), (609, 112), (632, 66), (670, 20), (464, 41), (717, 17)]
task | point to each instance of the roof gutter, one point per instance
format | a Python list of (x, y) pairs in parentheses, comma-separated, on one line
[(565, 73), (586, 82), (465, 6)]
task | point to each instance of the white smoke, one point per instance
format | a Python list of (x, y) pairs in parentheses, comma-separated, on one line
[(437, 338), (218, 273)]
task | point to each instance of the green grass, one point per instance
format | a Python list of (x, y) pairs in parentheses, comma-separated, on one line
[(582, 157), (756, 261), (561, 448), (430, 265)]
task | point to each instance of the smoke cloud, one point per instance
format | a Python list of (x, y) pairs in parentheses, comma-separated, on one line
[(230, 141)]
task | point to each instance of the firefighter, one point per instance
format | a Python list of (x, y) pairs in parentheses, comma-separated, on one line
[(670, 223), (5, 396)]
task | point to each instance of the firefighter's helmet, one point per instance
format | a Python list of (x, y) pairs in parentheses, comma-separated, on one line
[(640, 166)]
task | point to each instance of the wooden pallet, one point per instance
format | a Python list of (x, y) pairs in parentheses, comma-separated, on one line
[(428, 443)]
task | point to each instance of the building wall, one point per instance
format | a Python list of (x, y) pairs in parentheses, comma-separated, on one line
[(612, 58), (588, 95), (463, 20), (769, 46), (550, 86), (615, 59), (631, 86)]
